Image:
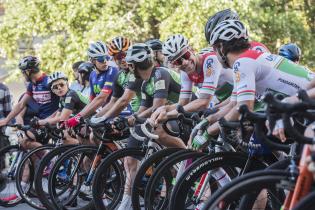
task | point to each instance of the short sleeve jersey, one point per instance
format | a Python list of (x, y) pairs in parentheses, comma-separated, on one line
[(102, 81), (74, 100), (255, 73), (213, 79), (163, 83), (126, 80), (41, 93)]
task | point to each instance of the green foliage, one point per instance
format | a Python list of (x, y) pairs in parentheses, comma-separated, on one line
[(67, 26)]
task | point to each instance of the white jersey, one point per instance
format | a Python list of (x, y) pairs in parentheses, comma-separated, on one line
[(213, 78), (255, 73)]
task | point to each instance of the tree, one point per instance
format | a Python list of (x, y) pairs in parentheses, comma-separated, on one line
[(67, 26)]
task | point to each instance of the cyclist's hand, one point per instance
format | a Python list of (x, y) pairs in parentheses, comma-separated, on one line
[(74, 121), (279, 131), (120, 123), (160, 115)]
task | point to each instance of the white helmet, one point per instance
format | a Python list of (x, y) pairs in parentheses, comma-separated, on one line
[(97, 49), (55, 76), (138, 53), (206, 50), (228, 30), (174, 45)]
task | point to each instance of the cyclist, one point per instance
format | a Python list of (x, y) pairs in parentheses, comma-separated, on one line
[(203, 71), (254, 72), (160, 86), (101, 82), (156, 46), (290, 51), (84, 71), (71, 102), (126, 88), (228, 14), (39, 90)]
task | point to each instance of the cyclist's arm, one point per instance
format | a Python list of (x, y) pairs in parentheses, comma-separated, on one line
[(121, 104), (232, 115), (107, 107), (95, 104), (52, 119), (17, 108), (20, 116), (157, 102)]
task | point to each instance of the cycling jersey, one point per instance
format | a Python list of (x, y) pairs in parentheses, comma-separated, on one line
[(32, 109), (126, 80), (213, 79), (256, 73), (73, 100), (102, 81), (41, 93), (163, 83)]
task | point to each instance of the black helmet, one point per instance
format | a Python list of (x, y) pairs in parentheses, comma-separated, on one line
[(213, 21), (290, 51), (85, 68), (154, 44), (29, 63)]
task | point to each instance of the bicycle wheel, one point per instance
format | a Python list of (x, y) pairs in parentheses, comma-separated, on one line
[(255, 190), (222, 166), (109, 180), (42, 174), (25, 175), (10, 156), (145, 171), (67, 182), (160, 184)]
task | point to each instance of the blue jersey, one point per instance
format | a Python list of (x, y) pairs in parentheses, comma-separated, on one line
[(41, 93), (102, 81)]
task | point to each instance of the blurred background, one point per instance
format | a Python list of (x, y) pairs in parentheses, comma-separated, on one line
[(59, 31)]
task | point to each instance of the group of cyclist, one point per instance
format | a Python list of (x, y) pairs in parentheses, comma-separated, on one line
[(122, 79)]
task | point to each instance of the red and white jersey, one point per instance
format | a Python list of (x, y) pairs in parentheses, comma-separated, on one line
[(211, 77), (256, 72)]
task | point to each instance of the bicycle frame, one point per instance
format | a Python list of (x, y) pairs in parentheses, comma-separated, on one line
[(303, 183)]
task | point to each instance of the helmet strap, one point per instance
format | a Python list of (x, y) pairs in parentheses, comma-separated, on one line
[(223, 56)]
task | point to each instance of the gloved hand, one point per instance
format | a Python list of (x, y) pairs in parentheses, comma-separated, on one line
[(200, 126), (74, 121), (34, 122), (199, 140), (120, 123)]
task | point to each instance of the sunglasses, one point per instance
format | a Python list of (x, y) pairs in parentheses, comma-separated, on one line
[(55, 87), (179, 61), (103, 59), (120, 56)]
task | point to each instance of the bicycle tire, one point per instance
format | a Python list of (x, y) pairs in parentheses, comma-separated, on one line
[(42, 195), (20, 169), (114, 160), (251, 183), (85, 149), (153, 161), (226, 160), (4, 175), (164, 171)]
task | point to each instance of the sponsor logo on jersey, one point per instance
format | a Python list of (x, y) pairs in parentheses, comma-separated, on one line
[(68, 100), (160, 85), (289, 83), (237, 76), (209, 72), (236, 66)]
